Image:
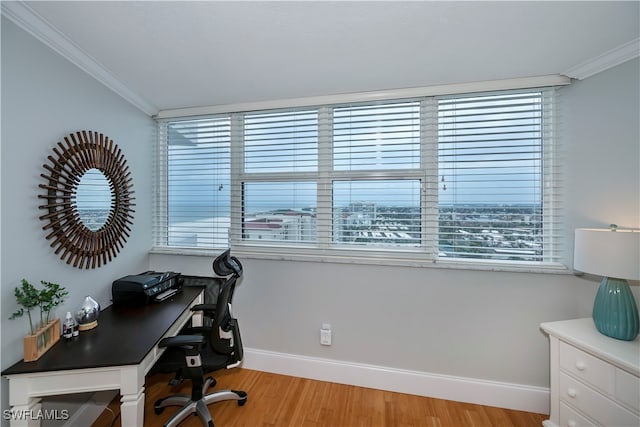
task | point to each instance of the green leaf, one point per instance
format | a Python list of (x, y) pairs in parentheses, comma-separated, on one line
[(51, 296)]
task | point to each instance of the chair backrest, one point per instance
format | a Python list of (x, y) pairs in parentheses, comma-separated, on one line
[(225, 264), (225, 334)]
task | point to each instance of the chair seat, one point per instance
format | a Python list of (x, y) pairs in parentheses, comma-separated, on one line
[(172, 360)]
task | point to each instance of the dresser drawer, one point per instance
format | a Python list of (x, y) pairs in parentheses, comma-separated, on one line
[(599, 407), (628, 389), (588, 368), (572, 418)]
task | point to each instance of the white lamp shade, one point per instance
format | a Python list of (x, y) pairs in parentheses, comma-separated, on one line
[(608, 253)]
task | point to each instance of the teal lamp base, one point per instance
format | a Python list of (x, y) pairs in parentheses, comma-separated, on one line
[(615, 313)]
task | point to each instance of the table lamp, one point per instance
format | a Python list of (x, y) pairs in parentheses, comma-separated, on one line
[(615, 255)]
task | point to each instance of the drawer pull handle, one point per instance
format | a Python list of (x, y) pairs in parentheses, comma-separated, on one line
[(580, 365), (572, 392), (572, 423)]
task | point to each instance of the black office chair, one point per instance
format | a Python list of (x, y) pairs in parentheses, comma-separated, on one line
[(205, 350)]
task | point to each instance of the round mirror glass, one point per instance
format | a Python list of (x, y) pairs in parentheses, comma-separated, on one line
[(94, 199)]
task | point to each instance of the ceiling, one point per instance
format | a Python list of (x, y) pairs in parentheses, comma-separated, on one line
[(171, 55)]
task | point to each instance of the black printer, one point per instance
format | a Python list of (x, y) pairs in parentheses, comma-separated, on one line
[(144, 288)]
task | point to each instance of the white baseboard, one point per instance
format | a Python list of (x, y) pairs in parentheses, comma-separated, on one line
[(471, 390)]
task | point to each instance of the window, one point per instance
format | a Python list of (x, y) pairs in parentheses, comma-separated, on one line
[(279, 197), (377, 213), (464, 177), (381, 143), (195, 212), (279, 211), (490, 162)]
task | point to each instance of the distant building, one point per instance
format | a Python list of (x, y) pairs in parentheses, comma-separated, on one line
[(286, 224)]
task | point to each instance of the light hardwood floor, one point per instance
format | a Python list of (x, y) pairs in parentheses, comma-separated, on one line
[(278, 400)]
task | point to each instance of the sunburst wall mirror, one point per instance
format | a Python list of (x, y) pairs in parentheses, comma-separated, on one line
[(88, 193)]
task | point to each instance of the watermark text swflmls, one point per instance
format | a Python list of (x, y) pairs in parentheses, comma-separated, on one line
[(36, 414)]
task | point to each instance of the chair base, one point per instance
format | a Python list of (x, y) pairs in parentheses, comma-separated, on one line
[(199, 407)]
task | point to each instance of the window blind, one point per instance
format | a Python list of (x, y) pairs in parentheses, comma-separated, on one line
[(379, 142), (196, 211), (493, 160), (455, 177), (376, 137), (281, 142), (278, 198)]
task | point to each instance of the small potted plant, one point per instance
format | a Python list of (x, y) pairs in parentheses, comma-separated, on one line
[(46, 333), (50, 297)]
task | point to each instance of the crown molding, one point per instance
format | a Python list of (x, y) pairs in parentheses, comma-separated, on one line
[(27, 19), (610, 59)]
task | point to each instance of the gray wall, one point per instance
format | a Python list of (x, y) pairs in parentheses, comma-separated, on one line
[(476, 324), (44, 98)]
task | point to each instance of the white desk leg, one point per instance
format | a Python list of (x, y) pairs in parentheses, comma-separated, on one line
[(26, 415), (132, 402), (132, 409)]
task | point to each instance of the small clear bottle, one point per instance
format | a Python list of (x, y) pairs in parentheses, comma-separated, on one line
[(76, 329), (67, 327)]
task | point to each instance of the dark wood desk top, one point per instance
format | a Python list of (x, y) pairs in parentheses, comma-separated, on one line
[(124, 336)]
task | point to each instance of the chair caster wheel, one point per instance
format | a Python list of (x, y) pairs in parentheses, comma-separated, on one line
[(158, 409), (213, 381), (242, 395)]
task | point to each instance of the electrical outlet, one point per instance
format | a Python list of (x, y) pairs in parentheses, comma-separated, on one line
[(325, 334)]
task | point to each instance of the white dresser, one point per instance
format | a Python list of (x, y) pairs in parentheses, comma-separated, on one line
[(594, 379)]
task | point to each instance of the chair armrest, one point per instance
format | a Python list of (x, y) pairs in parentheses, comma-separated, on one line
[(208, 309), (237, 344), (182, 341), (193, 330)]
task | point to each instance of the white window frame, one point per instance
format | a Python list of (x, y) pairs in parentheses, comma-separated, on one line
[(324, 249)]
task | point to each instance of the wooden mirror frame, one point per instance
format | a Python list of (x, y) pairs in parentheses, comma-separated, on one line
[(70, 238)]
